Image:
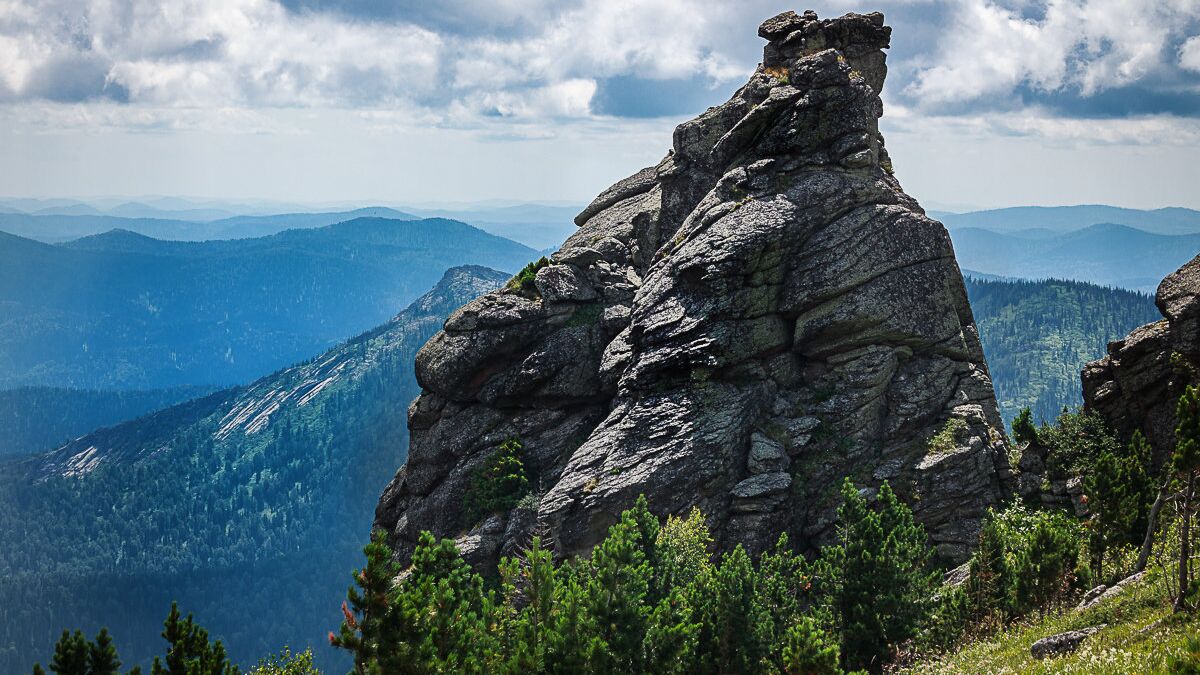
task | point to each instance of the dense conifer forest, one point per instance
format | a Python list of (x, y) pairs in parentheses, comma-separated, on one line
[(1037, 335)]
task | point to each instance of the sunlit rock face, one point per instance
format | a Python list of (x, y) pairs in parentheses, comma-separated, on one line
[(737, 328)]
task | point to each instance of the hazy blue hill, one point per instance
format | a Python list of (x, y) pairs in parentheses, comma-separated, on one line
[(1108, 254), (1038, 334), (536, 225), (1172, 220), (124, 311), (141, 210), (60, 227), (36, 419), (257, 226), (249, 506)]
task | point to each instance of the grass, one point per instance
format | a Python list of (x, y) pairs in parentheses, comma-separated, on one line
[(1142, 636), (945, 441)]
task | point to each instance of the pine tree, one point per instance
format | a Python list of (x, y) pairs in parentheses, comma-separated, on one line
[(808, 650), (882, 582), (735, 628), (617, 590), (1106, 498), (990, 583), (190, 652), (70, 654), (529, 588), (1023, 428), (441, 613), (102, 655), (671, 636), (367, 620), (570, 649)]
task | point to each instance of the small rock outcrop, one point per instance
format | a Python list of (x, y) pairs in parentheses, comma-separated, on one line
[(1136, 386), (1101, 593), (1063, 643), (737, 328)]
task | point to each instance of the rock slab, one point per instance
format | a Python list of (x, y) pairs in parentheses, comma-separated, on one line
[(1063, 643)]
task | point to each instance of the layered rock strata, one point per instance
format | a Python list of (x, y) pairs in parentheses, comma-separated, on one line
[(1137, 384), (737, 328)]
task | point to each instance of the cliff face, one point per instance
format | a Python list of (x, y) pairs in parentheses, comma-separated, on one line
[(736, 328), (1136, 386)]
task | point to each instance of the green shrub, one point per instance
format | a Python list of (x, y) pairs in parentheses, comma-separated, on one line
[(523, 282), (946, 439), (497, 485), (1075, 442), (1026, 560), (287, 663)]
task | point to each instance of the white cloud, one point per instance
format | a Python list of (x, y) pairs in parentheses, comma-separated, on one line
[(1189, 54), (254, 53), (1084, 45)]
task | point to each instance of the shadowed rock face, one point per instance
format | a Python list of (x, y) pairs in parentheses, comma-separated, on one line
[(737, 328), (1137, 385)]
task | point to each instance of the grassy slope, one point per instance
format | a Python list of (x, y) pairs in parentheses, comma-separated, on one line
[(1141, 636)]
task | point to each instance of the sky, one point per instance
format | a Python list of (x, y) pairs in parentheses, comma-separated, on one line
[(988, 103)]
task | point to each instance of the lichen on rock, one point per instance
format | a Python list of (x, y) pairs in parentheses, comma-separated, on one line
[(737, 328)]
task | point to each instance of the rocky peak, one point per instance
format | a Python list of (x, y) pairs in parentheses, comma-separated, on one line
[(738, 327), (1137, 384)]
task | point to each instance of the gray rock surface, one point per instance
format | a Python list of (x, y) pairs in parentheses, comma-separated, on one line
[(1101, 593), (1137, 384), (1063, 643), (737, 328)]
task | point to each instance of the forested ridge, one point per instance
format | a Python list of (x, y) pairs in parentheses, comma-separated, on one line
[(1037, 335), (246, 524), (34, 419)]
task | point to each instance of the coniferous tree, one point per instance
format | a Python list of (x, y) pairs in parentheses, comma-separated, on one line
[(1106, 499), (881, 582), (102, 655), (808, 650), (189, 650), (531, 586), (990, 580), (442, 612), (617, 591), (570, 649), (1023, 428), (735, 629), (70, 654), (367, 623), (671, 636)]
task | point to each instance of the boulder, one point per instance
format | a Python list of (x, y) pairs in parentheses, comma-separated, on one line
[(1063, 643)]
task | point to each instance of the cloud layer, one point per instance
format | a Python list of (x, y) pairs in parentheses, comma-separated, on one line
[(460, 63)]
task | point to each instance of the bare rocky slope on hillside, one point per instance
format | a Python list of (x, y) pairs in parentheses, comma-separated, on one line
[(737, 328)]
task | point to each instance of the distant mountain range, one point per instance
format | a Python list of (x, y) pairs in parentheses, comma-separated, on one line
[(1107, 254), (60, 227), (1062, 219), (124, 311), (236, 504), (536, 225)]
